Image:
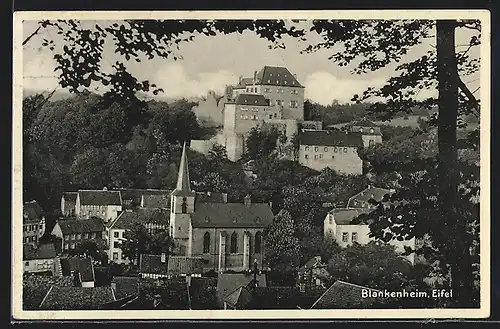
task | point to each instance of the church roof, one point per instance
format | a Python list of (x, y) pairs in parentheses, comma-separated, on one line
[(183, 187), (232, 215), (276, 76)]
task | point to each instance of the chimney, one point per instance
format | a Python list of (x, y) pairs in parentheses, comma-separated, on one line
[(247, 200), (163, 257)]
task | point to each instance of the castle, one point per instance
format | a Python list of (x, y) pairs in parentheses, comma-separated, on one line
[(274, 96)]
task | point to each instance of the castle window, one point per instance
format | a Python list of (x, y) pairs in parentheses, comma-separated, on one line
[(315, 157), (293, 104), (335, 149), (116, 234), (206, 243), (184, 205), (306, 156), (234, 243), (321, 156), (307, 148), (270, 116), (354, 237), (326, 149), (258, 242), (315, 149), (345, 149), (345, 236), (275, 115), (371, 142)]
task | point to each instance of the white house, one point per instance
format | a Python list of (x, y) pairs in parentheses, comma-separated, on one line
[(98, 203)]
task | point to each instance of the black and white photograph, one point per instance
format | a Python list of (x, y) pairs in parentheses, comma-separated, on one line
[(251, 165)]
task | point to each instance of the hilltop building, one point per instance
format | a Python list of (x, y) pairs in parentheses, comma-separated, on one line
[(33, 222), (370, 132), (228, 236)]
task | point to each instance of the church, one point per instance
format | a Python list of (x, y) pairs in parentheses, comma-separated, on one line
[(227, 236)]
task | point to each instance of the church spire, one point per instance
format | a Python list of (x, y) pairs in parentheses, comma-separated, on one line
[(183, 184)]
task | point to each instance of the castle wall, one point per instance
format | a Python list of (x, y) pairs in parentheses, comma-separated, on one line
[(341, 159)]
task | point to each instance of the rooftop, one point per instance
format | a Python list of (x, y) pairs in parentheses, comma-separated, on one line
[(79, 266), (32, 211), (228, 283), (155, 201), (140, 216), (371, 192), (44, 251), (76, 298), (152, 264), (100, 197), (178, 265), (211, 197), (135, 194), (70, 196), (276, 76), (330, 138), (345, 295), (251, 99), (71, 226), (229, 215), (344, 216)]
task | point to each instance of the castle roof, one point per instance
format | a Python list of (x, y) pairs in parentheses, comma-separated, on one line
[(276, 76), (251, 99), (330, 138), (244, 82), (183, 187), (232, 215)]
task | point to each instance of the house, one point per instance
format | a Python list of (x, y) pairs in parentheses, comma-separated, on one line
[(185, 266), (161, 266), (76, 298), (340, 226), (40, 260), (33, 222), (228, 236), (347, 295), (369, 131), (362, 199), (312, 273), (81, 268), (233, 289), (155, 201), (98, 203), (153, 219), (319, 149), (68, 204), (75, 231)]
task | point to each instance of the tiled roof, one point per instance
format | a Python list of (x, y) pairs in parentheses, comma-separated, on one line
[(142, 215), (155, 201), (330, 138), (135, 194), (371, 192), (125, 286), (32, 210), (345, 295), (70, 196), (76, 298), (211, 197), (227, 283), (70, 226), (178, 265), (152, 264), (344, 216), (276, 76), (44, 251), (100, 197), (239, 298), (252, 99), (229, 215)]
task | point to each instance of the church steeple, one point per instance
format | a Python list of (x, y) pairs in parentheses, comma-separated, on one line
[(183, 187)]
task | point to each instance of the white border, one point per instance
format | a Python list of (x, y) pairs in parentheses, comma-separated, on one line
[(482, 312)]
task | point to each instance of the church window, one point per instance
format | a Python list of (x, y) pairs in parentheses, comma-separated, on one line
[(184, 205), (234, 243), (258, 242), (206, 243)]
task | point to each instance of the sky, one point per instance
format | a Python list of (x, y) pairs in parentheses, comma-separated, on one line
[(211, 63)]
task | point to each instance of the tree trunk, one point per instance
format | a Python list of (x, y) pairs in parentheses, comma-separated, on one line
[(456, 249)]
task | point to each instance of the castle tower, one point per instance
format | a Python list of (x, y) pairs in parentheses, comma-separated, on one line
[(181, 207)]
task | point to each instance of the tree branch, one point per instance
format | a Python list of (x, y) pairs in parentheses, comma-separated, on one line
[(469, 95), (31, 35)]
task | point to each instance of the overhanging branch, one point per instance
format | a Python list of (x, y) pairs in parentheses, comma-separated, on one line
[(470, 96), (31, 35)]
